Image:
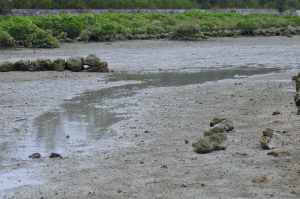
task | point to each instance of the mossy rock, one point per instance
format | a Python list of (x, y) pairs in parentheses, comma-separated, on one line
[(268, 132), (59, 64), (7, 66), (217, 120), (218, 129), (211, 143), (22, 65), (264, 140), (43, 64), (297, 98)]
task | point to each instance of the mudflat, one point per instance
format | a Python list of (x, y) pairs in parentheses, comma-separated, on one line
[(152, 155)]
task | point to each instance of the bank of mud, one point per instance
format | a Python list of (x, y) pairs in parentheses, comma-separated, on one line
[(150, 157)]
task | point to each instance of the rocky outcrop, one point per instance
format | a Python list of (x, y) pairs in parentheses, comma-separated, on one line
[(270, 140), (7, 66), (59, 64)]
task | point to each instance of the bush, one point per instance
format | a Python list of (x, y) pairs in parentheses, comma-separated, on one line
[(6, 40), (247, 25), (188, 29), (42, 39)]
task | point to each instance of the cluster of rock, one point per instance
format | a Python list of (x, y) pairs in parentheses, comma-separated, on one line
[(270, 140), (76, 64), (215, 138), (297, 96)]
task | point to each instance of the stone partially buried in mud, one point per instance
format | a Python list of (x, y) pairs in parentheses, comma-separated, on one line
[(214, 130), (211, 143), (43, 65), (103, 67), (224, 122), (35, 155), (22, 65), (7, 66), (74, 64), (59, 64), (91, 60), (270, 140)]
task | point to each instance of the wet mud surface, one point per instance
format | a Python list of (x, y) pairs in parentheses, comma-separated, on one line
[(160, 88)]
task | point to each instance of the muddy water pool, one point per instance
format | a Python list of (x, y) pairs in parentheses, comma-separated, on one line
[(158, 63)]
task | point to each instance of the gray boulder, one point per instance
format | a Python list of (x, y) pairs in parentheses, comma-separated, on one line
[(22, 65), (226, 123), (59, 64), (92, 61), (74, 64), (7, 66), (43, 65), (211, 143)]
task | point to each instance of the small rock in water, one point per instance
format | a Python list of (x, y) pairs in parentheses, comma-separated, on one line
[(35, 155)]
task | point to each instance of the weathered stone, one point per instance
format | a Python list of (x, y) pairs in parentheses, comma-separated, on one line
[(273, 142), (268, 132), (217, 120), (55, 155), (43, 65), (35, 155), (74, 64), (277, 112), (297, 98), (7, 66), (59, 64), (22, 65), (214, 130), (92, 61), (211, 143), (227, 124), (279, 153)]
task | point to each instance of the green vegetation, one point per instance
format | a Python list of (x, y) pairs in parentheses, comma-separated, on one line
[(148, 4), (45, 31)]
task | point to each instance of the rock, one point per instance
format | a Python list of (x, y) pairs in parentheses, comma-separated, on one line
[(260, 179), (268, 132), (277, 112), (35, 155), (43, 65), (7, 66), (214, 130), (270, 140), (297, 98), (74, 64), (279, 153), (55, 155), (217, 120), (92, 61), (211, 143), (22, 65), (59, 64), (224, 122), (103, 67)]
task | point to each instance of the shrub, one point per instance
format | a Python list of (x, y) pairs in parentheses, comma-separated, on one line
[(6, 40), (247, 25), (42, 39)]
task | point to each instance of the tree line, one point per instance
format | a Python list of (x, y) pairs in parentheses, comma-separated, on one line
[(5, 5)]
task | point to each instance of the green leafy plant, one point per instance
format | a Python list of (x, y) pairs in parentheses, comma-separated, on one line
[(6, 40)]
